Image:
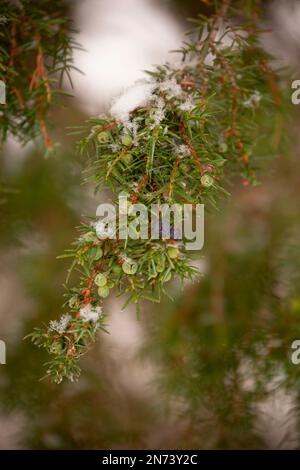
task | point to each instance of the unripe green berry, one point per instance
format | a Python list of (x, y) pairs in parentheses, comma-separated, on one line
[(223, 147), (127, 158), (103, 137), (103, 291), (173, 252), (129, 267), (207, 181), (126, 140), (100, 280)]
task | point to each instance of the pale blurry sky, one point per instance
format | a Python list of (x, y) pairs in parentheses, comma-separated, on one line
[(122, 38)]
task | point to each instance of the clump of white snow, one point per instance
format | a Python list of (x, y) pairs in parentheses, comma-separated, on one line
[(183, 151), (133, 97), (60, 325), (187, 105), (253, 100), (158, 112), (171, 88), (132, 128), (90, 313)]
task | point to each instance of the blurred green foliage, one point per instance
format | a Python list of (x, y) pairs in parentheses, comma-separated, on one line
[(36, 47), (236, 325)]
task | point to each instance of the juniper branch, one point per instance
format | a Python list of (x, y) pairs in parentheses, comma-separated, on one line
[(196, 125)]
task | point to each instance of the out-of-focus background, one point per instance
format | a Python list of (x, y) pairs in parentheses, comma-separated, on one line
[(211, 369)]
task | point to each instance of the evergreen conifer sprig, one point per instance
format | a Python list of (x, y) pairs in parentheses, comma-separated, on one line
[(175, 137), (36, 52)]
